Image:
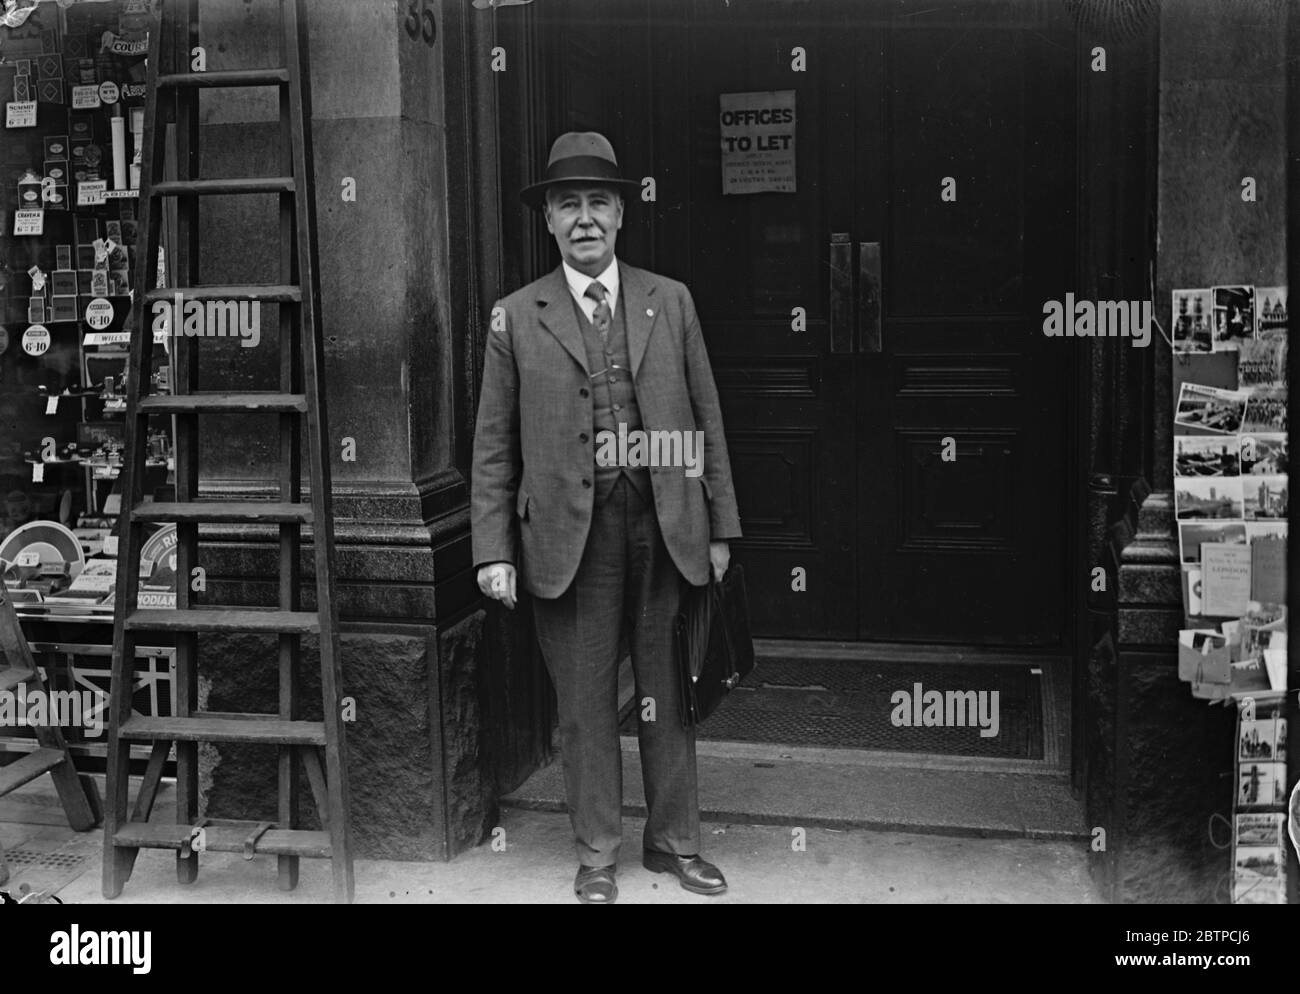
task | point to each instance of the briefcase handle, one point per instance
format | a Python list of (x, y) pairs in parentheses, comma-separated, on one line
[(715, 593)]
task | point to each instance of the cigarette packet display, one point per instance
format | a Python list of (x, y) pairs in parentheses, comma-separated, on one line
[(63, 308)]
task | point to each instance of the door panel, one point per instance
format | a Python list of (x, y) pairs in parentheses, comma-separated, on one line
[(971, 549)]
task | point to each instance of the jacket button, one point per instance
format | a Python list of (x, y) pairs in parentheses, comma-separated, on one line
[(582, 437), (584, 392), (586, 484)]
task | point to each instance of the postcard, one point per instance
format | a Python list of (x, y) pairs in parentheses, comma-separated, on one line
[(1210, 408), (1193, 534), (1260, 829), (1257, 740), (1262, 454), (1258, 890), (1260, 784), (1208, 497), (1234, 316), (1207, 455), (1259, 861), (1265, 410), (1262, 363), (1191, 321), (1264, 496), (1271, 312)]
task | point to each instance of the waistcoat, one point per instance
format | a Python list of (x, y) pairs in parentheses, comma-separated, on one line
[(612, 402)]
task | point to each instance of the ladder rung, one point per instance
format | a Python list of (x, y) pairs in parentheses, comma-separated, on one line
[(225, 838), (28, 768), (13, 678), (266, 729), (227, 77), (267, 293), (213, 187), (225, 620), (225, 512), (219, 403)]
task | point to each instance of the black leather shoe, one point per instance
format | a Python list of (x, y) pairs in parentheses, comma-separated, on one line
[(595, 884), (695, 874)]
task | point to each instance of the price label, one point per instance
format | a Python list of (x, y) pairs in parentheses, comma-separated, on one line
[(85, 97), (29, 221), (110, 545), (52, 404), (91, 193), (99, 314), (108, 92), (36, 340), (21, 114), (38, 472), (28, 559)]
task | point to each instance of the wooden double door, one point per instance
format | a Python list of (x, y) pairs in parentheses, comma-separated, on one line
[(898, 423)]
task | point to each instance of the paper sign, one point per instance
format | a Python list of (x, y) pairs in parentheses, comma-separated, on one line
[(1225, 579), (757, 142), (38, 472), (85, 97), (21, 114), (52, 404), (92, 192), (28, 559), (108, 92), (36, 340), (29, 221), (99, 314)]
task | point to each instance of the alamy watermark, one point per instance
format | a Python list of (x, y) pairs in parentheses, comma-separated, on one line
[(655, 447), (1099, 319), (920, 708), (213, 319), (25, 708)]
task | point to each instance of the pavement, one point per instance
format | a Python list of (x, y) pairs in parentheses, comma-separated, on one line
[(530, 861)]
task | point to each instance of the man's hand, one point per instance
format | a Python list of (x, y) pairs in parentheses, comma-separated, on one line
[(497, 580), (719, 558)]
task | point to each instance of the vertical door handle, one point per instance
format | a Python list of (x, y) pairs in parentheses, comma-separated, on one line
[(841, 299), (869, 302)]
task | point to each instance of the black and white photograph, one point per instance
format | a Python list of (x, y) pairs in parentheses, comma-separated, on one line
[(1262, 830), (1265, 410), (1214, 409), (1193, 321), (1264, 454), (1234, 316), (1260, 784), (1264, 497), (1192, 535), (1259, 861), (1202, 455), (1208, 497), (642, 452), (1271, 321)]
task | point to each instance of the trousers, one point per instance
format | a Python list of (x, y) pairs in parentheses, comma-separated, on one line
[(626, 581)]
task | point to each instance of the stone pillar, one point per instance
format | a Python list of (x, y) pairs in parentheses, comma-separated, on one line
[(1221, 119), (409, 660)]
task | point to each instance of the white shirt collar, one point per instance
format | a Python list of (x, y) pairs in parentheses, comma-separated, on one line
[(578, 283)]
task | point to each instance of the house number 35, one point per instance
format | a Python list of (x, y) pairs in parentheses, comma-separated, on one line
[(420, 22)]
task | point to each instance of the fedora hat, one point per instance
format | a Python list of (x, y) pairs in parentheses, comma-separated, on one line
[(579, 157)]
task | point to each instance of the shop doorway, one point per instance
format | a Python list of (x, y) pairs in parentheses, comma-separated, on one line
[(897, 421), (901, 458)]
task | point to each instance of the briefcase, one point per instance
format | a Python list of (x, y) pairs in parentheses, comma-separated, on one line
[(714, 648)]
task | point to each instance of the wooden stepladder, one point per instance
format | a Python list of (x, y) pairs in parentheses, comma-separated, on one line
[(18, 673), (318, 745)]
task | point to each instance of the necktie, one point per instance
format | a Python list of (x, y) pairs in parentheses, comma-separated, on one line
[(602, 316)]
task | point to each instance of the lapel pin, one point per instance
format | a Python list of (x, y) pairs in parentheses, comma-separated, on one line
[(649, 312)]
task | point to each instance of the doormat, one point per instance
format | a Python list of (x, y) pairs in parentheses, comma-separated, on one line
[(854, 705)]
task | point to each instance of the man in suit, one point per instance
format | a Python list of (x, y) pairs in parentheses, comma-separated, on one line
[(598, 346)]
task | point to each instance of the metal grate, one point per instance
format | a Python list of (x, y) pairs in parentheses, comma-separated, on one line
[(26, 858)]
